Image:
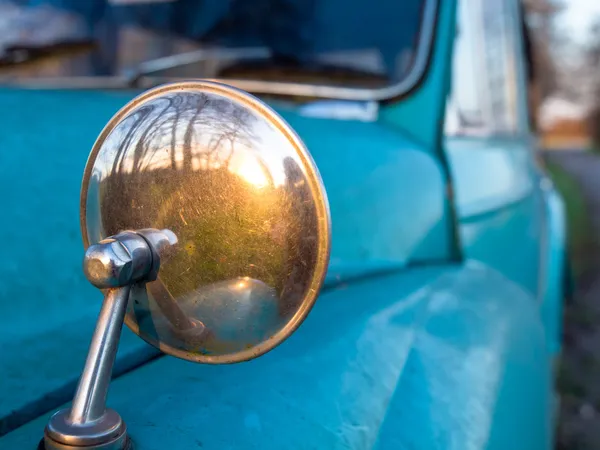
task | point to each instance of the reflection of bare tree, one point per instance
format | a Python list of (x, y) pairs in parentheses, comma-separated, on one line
[(187, 137), (136, 121), (189, 125), (143, 144), (176, 104), (166, 121), (228, 134)]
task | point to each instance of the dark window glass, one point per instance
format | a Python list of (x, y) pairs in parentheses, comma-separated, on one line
[(339, 42)]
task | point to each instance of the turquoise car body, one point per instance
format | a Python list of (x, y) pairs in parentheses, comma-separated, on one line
[(437, 328)]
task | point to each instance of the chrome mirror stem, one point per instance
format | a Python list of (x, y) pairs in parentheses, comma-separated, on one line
[(113, 264), (88, 423), (90, 398)]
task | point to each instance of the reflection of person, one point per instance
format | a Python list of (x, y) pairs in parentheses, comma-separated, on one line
[(302, 236)]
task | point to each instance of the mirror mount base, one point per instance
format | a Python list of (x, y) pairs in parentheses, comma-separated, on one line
[(107, 433), (88, 423), (114, 265)]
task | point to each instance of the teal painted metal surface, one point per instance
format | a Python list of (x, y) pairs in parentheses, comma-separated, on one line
[(387, 194), (498, 205), (508, 220), (553, 266), (47, 308), (422, 113), (370, 192), (489, 173), (433, 358)]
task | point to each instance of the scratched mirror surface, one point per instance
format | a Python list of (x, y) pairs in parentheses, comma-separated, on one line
[(243, 197)]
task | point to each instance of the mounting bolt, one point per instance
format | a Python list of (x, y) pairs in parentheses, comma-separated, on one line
[(120, 260), (108, 264)]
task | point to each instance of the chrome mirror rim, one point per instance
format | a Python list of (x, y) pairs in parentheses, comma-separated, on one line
[(315, 185)]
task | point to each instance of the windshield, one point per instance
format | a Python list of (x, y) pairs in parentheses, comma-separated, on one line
[(348, 43)]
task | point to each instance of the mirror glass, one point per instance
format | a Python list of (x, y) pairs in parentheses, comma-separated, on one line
[(236, 186)]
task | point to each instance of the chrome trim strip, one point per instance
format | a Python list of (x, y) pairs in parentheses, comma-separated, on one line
[(424, 48)]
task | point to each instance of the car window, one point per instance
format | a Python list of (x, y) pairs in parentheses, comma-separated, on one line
[(483, 96), (297, 41)]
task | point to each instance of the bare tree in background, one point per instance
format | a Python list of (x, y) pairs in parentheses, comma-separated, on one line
[(593, 62), (540, 19)]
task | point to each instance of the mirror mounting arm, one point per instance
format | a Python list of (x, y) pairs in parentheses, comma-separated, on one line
[(114, 264), (88, 424)]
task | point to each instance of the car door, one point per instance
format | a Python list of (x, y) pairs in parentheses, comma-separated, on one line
[(508, 216), (488, 144)]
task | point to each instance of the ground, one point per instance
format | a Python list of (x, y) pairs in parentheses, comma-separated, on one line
[(577, 176)]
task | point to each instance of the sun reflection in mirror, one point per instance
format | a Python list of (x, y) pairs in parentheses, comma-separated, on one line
[(247, 167), (242, 284)]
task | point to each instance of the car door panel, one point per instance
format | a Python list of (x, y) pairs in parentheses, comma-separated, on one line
[(499, 206)]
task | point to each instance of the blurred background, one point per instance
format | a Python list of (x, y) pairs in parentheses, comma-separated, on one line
[(566, 41), (112, 43), (566, 36)]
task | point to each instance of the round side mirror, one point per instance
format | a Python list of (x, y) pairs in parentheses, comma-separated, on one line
[(235, 186), (207, 225)]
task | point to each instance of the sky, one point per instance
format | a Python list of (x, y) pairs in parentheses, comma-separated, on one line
[(578, 17), (575, 22)]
